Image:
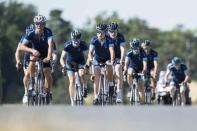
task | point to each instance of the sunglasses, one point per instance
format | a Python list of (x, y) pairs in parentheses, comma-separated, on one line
[(39, 23), (100, 32), (113, 31)]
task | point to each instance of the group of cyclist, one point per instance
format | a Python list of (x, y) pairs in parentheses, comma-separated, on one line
[(108, 47)]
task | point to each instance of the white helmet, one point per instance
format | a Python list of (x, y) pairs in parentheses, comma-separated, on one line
[(39, 18)]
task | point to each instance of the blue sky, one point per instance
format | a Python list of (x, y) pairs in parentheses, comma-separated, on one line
[(163, 14)]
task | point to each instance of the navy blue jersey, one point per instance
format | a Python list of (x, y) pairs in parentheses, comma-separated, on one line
[(136, 60), (151, 57), (40, 43), (119, 41), (101, 50), (26, 54), (177, 74), (75, 54)]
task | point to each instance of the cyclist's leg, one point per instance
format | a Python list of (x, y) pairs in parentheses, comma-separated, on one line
[(153, 84), (129, 76), (26, 84), (96, 72), (182, 93), (32, 70), (48, 77), (83, 80), (119, 79), (119, 75), (141, 90), (26, 76), (109, 76), (172, 88), (82, 75), (71, 77)]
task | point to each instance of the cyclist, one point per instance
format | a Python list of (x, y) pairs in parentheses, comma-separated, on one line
[(136, 62), (42, 47), (177, 73), (74, 54), (152, 63), (101, 51), (119, 47), (25, 64)]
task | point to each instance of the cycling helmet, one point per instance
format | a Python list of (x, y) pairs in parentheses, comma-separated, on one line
[(39, 18), (113, 26), (146, 43), (29, 28), (135, 43), (75, 35), (101, 27), (176, 61)]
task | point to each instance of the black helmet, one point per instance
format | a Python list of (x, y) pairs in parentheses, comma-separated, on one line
[(101, 27), (176, 61), (146, 43), (113, 26), (75, 35), (135, 43)]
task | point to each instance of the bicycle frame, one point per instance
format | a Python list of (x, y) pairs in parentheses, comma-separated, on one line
[(148, 89), (102, 85), (79, 90), (177, 100), (134, 97), (37, 96)]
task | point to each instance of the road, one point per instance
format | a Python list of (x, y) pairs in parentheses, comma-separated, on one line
[(91, 118)]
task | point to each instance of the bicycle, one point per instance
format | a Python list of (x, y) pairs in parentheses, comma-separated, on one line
[(103, 96), (177, 100), (79, 90), (36, 92), (148, 89), (134, 96)]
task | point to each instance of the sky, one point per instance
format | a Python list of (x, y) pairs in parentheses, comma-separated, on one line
[(162, 14)]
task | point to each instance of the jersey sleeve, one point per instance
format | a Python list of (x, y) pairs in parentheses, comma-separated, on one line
[(155, 56), (122, 41), (27, 38), (144, 56), (92, 44), (66, 46), (49, 34)]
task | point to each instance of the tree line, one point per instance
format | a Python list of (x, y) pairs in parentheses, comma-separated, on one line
[(15, 16)]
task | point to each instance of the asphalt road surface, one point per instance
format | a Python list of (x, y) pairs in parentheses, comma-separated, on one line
[(95, 118)]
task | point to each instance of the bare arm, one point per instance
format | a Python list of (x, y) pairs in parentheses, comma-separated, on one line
[(62, 59), (187, 77), (167, 75), (156, 65), (126, 63), (122, 49), (24, 47), (144, 66), (50, 49), (17, 54), (112, 53), (90, 54)]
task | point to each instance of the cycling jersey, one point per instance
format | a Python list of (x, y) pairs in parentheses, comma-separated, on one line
[(101, 49), (136, 60), (75, 54), (40, 43), (151, 57), (117, 42), (178, 75)]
